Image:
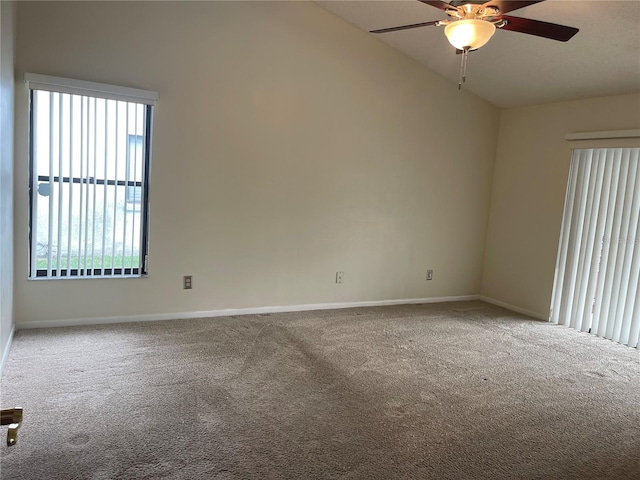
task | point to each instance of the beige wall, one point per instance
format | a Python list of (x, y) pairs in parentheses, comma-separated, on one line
[(287, 145), (7, 21), (531, 170)]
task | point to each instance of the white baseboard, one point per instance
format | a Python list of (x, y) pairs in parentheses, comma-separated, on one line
[(234, 311), (7, 347), (514, 308)]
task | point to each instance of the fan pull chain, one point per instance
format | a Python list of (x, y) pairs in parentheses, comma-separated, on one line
[(463, 67)]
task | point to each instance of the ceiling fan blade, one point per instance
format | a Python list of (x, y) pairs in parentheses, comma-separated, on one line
[(405, 27), (438, 4), (505, 6), (553, 31)]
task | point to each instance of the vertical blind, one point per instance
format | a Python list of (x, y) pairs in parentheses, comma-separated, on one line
[(598, 266), (89, 172)]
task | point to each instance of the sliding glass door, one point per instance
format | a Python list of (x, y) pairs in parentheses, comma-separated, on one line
[(596, 281)]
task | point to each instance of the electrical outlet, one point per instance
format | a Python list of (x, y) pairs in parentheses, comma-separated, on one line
[(186, 283), (429, 274), (339, 277)]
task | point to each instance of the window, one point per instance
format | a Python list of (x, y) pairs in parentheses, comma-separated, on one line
[(89, 177)]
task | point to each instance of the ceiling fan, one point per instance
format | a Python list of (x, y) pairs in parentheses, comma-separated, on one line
[(472, 23)]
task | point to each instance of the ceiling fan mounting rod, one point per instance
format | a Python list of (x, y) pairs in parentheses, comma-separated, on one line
[(460, 3)]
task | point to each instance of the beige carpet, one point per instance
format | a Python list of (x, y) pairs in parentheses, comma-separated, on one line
[(442, 391)]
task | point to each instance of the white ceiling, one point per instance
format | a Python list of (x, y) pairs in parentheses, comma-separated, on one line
[(516, 69)]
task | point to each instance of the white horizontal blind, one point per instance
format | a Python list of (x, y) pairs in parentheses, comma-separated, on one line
[(596, 284), (89, 173)]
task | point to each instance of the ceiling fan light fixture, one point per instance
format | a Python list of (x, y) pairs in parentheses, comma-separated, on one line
[(469, 33)]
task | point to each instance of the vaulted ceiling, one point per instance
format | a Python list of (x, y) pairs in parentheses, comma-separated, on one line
[(516, 69)]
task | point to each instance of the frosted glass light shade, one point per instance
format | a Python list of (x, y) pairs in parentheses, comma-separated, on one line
[(469, 33)]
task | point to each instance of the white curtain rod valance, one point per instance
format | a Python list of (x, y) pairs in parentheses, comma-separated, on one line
[(92, 89), (603, 135)]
